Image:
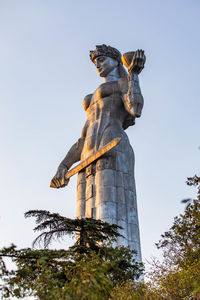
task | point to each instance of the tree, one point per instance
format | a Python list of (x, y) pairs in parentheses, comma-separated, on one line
[(87, 270), (178, 276), (90, 233)]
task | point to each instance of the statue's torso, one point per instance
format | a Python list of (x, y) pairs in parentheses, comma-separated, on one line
[(105, 113)]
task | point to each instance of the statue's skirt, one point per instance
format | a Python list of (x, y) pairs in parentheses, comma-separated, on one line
[(106, 191)]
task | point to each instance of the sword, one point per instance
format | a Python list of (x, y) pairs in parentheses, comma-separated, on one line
[(90, 159)]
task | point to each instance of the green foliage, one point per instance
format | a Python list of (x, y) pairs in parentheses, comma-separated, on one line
[(182, 241), (89, 279), (48, 274), (88, 270), (122, 265), (131, 290), (41, 269), (89, 232), (178, 275)]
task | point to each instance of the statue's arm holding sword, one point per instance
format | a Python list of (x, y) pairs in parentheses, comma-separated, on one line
[(73, 155)]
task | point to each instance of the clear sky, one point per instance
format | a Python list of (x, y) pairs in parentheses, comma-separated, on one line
[(45, 72)]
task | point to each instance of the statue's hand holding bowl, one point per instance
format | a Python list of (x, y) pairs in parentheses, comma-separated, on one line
[(134, 61), (59, 180)]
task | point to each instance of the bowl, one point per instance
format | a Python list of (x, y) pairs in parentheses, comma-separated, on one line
[(127, 58)]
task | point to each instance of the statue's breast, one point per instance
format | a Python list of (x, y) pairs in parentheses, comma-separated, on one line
[(103, 91), (87, 101), (107, 89), (102, 103)]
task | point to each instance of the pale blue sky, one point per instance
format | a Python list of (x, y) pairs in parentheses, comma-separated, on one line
[(45, 72)]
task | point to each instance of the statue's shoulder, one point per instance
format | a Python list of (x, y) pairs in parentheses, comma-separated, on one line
[(87, 100)]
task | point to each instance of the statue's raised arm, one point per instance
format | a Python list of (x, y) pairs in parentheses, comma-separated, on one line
[(133, 99)]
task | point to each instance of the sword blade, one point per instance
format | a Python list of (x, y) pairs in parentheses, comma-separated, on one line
[(93, 157), (89, 160)]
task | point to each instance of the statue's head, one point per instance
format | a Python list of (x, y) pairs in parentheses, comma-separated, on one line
[(105, 58)]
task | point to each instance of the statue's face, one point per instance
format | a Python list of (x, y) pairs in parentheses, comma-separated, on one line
[(105, 65)]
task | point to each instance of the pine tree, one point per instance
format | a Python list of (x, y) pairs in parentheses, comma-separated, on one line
[(87, 270)]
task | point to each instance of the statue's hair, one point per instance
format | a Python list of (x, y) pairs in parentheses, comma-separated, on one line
[(104, 50)]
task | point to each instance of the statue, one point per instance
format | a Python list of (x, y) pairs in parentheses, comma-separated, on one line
[(106, 184)]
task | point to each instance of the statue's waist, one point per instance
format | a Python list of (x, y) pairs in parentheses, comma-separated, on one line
[(96, 139), (106, 114), (106, 122)]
